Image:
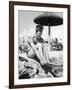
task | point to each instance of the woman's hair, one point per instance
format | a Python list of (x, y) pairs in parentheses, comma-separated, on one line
[(39, 28)]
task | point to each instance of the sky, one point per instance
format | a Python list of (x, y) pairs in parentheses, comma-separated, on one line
[(26, 25)]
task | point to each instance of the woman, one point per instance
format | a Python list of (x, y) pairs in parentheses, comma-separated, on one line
[(34, 48)]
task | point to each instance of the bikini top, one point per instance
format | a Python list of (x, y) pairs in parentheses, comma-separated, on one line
[(37, 40)]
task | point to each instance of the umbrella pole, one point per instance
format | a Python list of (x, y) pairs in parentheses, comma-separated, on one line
[(48, 38)]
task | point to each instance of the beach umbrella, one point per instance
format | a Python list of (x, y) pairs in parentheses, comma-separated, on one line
[(49, 19)]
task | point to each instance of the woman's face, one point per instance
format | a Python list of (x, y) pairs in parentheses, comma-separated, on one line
[(38, 34)]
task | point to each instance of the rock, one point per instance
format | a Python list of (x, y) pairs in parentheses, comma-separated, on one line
[(30, 68)]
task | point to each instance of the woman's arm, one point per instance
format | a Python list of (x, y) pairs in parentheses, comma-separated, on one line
[(40, 49), (37, 52)]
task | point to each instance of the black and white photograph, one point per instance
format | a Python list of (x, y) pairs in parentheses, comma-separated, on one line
[(39, 44)]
